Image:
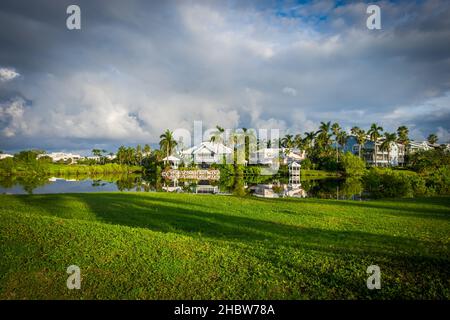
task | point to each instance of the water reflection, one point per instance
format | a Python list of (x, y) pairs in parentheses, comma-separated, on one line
[(261, 186)]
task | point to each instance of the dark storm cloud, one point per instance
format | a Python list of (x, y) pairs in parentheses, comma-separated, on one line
[(138, 67)]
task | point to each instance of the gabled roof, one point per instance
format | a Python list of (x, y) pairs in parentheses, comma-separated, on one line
[(217, 148), (171, 158)]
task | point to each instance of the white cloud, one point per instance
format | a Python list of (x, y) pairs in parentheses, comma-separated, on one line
[(7, 74), (290, 91), (12, 113)]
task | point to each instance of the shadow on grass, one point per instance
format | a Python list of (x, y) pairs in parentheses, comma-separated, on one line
[(440, 209), (179, 216)]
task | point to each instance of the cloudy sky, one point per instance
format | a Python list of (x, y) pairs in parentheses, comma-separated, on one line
[(138, 67)]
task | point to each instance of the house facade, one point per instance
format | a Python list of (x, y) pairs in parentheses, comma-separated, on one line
[(5, 155), (206, 154), (269, 156), (58, 156), (373, 154)]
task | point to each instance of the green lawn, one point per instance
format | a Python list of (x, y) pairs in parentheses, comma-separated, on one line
[(181, 246)]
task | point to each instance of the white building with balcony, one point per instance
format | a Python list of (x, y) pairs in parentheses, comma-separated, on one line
[(206, 154), (5, 155)]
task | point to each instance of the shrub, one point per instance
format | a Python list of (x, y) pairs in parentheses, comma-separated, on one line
[(352, 165), (393, 183)]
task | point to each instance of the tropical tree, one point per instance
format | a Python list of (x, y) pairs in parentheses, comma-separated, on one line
[(287, 141), (360, 136), (121, 154), (309, 139), (167, 142), (432, 138), (298, 141), (336, 129), (386, 145), (147, 150), (323, 138), (375, 133), (217, 136), (402, 133), (341, 139), (139, 154)]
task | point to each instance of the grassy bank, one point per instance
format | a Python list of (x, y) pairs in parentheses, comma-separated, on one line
[(319, 173), (164, 246), (37, 168)]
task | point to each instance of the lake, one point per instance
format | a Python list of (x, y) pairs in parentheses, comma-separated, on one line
[(267, 187)]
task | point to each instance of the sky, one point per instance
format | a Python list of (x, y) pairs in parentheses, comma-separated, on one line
[(137, 68)]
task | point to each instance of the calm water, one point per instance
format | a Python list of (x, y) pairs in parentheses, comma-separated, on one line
[(266, 187)]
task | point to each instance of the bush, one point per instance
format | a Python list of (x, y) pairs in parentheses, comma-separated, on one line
[(352, 165), (392, 183)]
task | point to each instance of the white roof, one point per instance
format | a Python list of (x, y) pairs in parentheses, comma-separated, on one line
[(171, 158), (294, 164), (217, 148)]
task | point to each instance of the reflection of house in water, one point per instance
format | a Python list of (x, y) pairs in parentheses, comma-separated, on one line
[(172, 186), (204, 186), (278, 190), (294, 174)]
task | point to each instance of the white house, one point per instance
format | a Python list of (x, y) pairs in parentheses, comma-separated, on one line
[(5, 155), (415, 146), (206, 154), (268, 156), (57, 156)]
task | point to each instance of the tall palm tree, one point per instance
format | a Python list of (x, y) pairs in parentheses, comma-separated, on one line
[(298, 141), (386, 145), (217, 136), (309, 139), (167, 142), (432, 138), (341, 140), (323, 135), (360, 136), (375, 133), (402, 133), (147, 150), (287, 141), (335, 129), (403, 139)]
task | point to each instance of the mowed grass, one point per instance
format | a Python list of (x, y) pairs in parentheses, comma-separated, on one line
[(181, 246)]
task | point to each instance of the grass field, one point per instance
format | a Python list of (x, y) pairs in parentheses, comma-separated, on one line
[(181, 246)]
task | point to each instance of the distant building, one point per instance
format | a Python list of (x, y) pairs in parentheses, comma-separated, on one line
[(5, 155), (373, 154), (206, 154), (415, 146), (269, 156), (58, 156)]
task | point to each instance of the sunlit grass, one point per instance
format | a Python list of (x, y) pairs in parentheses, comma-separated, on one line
[(166, 246)]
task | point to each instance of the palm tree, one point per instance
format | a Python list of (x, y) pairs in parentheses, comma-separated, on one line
[(287, 141), (323, 135), (335, 128), (341, 140), (121, 154), (147, 150), (389, 139), (139, 154), (402, 133), (375, 133), (309, 139), (432, 138), (360, 136), (217, 136), (167, 142)]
